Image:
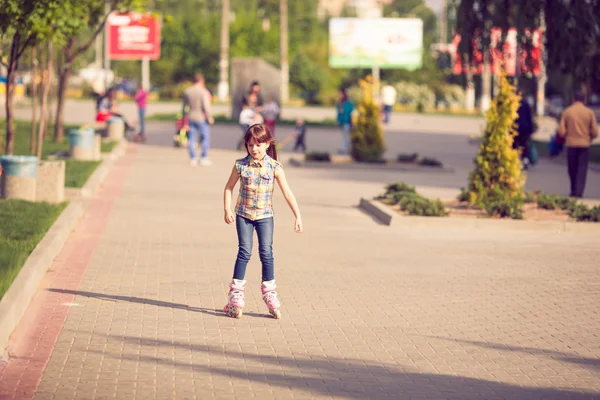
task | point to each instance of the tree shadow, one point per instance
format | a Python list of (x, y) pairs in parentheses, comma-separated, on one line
[(341, 377), (592, 363), (216, 312)]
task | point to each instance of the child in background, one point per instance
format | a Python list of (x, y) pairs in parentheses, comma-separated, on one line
[(271, 113), (300, 135)]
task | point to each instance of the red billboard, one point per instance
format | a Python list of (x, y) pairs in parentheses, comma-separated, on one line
[(506, 56), (133, 36)]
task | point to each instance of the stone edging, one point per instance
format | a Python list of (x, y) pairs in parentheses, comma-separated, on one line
[(386, 216), (16, 300), (389, 167)]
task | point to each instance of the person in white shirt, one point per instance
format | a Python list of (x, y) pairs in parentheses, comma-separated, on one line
[(388, 94), (248, 117)]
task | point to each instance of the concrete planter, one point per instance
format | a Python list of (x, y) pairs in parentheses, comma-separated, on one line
[(51, 181), (19, 178), (82, 144), (115, 129)]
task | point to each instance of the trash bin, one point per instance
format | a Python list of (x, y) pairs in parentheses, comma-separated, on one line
[(82, 144), (115, 128), (18, 179)]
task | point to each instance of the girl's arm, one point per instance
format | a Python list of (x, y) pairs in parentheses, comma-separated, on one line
[(233, 178), (290, 198)]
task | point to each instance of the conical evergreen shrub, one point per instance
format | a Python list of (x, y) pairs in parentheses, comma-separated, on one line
[(496, 179), (367, 135)]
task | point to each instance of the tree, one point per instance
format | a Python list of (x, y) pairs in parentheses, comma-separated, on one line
[(367, 135), (92, 13), (497, 178)]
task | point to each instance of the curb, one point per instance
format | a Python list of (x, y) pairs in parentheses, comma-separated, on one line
[(16, 300), (381, 213), (372, 166), (95, 180)]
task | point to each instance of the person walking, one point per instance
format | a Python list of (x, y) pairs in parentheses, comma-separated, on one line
[(141, 98), (257, 173), (344, 119), (300, 134), (389, 95), (271, 112), (197, 113), (579, 128), (525, 128)]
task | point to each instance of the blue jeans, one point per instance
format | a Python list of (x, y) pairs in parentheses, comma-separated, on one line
[(264, 230), (142, 115), (199, 130), (346, 128), (386, 113)]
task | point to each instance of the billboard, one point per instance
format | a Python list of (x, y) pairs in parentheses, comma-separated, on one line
[(380, 42), (133, 36)]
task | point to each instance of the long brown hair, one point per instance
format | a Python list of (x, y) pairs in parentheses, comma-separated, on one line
[(259, 133)]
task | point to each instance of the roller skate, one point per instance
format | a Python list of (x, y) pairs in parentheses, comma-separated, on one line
[(269, 296), (235, 299)]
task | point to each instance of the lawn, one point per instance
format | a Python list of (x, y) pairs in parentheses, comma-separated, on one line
[(77, 172), (23, 225)]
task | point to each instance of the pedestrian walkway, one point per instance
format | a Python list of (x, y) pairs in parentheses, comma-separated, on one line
[(131, 308)]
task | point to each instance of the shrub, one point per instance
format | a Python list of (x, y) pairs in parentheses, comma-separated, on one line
[(506, 209), (497, 177), (532, 197), (463, 195), (407, 158), (367, 135), (430, 162), (399, 187), (552, 201), (317, 156), (582, 212), (418, 205)]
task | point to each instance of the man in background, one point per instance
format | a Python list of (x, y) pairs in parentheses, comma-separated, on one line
[(579, 128), (197, 113)]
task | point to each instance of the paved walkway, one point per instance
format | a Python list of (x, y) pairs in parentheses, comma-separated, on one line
[(131, 307)]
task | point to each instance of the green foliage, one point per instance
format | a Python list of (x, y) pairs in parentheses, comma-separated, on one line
[(77, 172), (23, 226), (497, 178), (585, 214), (421, 206), (407, 158), (510, 208), (410, 201), (552, 202), (463, 195), (367, 135), (317, 156), (430, 162), (307, 75), (532, 197)]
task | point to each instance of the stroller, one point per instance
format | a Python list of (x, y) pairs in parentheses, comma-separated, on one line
[(181, 135)]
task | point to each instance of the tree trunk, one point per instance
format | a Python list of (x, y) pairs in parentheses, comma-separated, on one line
[(44, 113), (63, 78), (33, 146), (12, 66)]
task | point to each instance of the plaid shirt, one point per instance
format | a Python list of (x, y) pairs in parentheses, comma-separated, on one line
[(257, 181)]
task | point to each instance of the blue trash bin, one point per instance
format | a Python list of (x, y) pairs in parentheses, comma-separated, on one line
[(18, 177), (81, 143)]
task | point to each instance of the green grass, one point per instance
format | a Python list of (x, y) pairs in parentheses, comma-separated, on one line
[(222, 119), (107, 147), (76, 173), (23, 225)]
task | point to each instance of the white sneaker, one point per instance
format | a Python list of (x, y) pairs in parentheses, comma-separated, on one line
[(193, 162), (205, 162)]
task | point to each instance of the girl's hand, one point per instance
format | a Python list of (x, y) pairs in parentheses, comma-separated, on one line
[(229, 218), (298, 225)]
